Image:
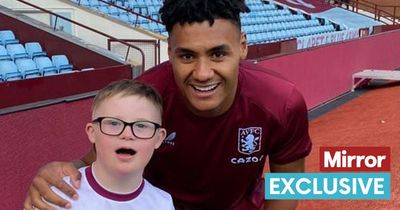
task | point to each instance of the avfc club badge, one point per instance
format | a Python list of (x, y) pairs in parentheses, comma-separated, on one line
[(249, 140)]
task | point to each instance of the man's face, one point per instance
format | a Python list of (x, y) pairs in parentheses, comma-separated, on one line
[(205, 61)]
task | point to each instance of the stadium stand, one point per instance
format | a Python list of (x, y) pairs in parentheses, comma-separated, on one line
[(29, 60), (266, 23), (139, 13), (35, 59)]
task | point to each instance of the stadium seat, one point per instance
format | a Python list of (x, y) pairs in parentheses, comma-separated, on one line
[(153, 10), (17, 51), (9, 71), (45, 66), (28, 68), (34, 49), (141, 3), (124, 17), (142, 20), (62, 63), (131, 4), (103, 3), (155, 17), (94, 3), (134, 19), (103, 9), (113, 11), (8, 37), (4, 54), (120, 3)]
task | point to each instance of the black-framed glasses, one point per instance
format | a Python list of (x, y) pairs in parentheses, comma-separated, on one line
[(114, 127)]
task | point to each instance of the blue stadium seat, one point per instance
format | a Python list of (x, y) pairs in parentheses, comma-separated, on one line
[(133, 18), (28, 68), (34, 49), (157, 3), (45, 66), (62, 63), (113, 11), (251, 38), (153, 10), (103, 3), (103, 9), (8, 37), (142, 20), (17, 51), (141, 3), (155, 16), (94, 3), (124, 17), (120, 3), (315, 22), (9, 71), (4, 54), (131, 4)]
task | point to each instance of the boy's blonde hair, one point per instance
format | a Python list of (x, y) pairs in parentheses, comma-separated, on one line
[(128, 87)]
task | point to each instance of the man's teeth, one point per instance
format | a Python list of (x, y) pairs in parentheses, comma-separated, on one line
[(205, 88)]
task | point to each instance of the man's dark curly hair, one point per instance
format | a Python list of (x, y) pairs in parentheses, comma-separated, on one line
[(190, 11)]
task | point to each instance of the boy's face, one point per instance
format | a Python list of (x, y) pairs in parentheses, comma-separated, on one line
[(205, 62), (125, 154)]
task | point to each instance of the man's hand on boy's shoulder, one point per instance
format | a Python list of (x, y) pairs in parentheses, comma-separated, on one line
[(49, 175)]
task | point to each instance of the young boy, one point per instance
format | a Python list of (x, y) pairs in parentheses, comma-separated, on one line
[(126, 128)]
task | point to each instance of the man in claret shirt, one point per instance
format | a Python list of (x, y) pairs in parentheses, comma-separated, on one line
[(224, 117)]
